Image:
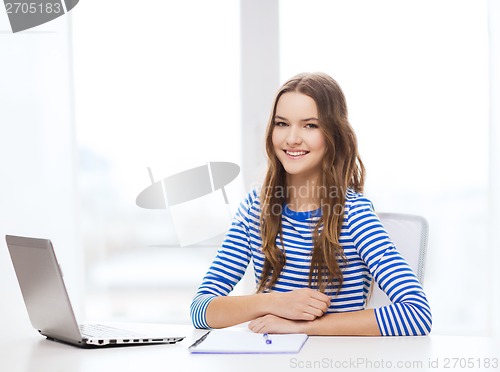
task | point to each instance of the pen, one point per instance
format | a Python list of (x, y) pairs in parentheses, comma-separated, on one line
[(199, 341), (267, 339)]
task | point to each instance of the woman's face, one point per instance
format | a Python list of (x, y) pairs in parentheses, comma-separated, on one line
[(297, 139)]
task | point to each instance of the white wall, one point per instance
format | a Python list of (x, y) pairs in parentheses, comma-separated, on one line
[(494, 135), (37, 163), (260, 55)]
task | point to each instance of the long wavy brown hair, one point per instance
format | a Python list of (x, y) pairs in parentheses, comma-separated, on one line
[(342, 168)]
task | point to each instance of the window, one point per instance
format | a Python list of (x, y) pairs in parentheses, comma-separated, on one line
[(415, 75), (155, 87)]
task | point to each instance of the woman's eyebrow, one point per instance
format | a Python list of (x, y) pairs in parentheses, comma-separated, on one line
[(277, 117)]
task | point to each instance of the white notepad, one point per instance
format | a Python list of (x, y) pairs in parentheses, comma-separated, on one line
[(222, 341)]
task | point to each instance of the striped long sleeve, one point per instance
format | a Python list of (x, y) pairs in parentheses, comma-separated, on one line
[(369, 251)]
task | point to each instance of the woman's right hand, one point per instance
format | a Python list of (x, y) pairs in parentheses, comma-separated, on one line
[(299, 304)]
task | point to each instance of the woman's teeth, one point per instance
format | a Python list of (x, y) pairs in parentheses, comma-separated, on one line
[(296, 153)]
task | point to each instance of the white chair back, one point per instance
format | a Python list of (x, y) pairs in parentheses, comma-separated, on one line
[(409, 234)]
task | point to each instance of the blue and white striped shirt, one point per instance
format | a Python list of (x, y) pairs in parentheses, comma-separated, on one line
[(369, 251)]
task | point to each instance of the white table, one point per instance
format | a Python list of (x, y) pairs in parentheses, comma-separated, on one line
[(32, 352)]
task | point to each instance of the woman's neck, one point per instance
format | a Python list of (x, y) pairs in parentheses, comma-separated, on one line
[(302, 193)]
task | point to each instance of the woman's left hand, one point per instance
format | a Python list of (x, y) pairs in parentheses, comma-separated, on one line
[(274, 324)]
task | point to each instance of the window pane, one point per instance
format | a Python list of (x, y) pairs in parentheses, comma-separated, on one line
[(415, 75), (157, 85)]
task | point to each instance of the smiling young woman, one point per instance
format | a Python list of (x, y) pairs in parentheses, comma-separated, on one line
[(314, 251)]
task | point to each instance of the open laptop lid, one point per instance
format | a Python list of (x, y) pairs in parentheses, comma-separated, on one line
[(43, 289), (48, 304)]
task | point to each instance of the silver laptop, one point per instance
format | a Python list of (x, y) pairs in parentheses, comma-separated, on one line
[(48, 304)]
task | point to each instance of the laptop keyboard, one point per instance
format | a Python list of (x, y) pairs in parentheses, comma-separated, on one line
[(102, 331)]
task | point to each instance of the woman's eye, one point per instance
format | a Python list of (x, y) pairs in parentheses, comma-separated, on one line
[(280, 124), (311, 125)]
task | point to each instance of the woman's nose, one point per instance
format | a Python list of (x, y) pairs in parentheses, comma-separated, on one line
[(293, 136)]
